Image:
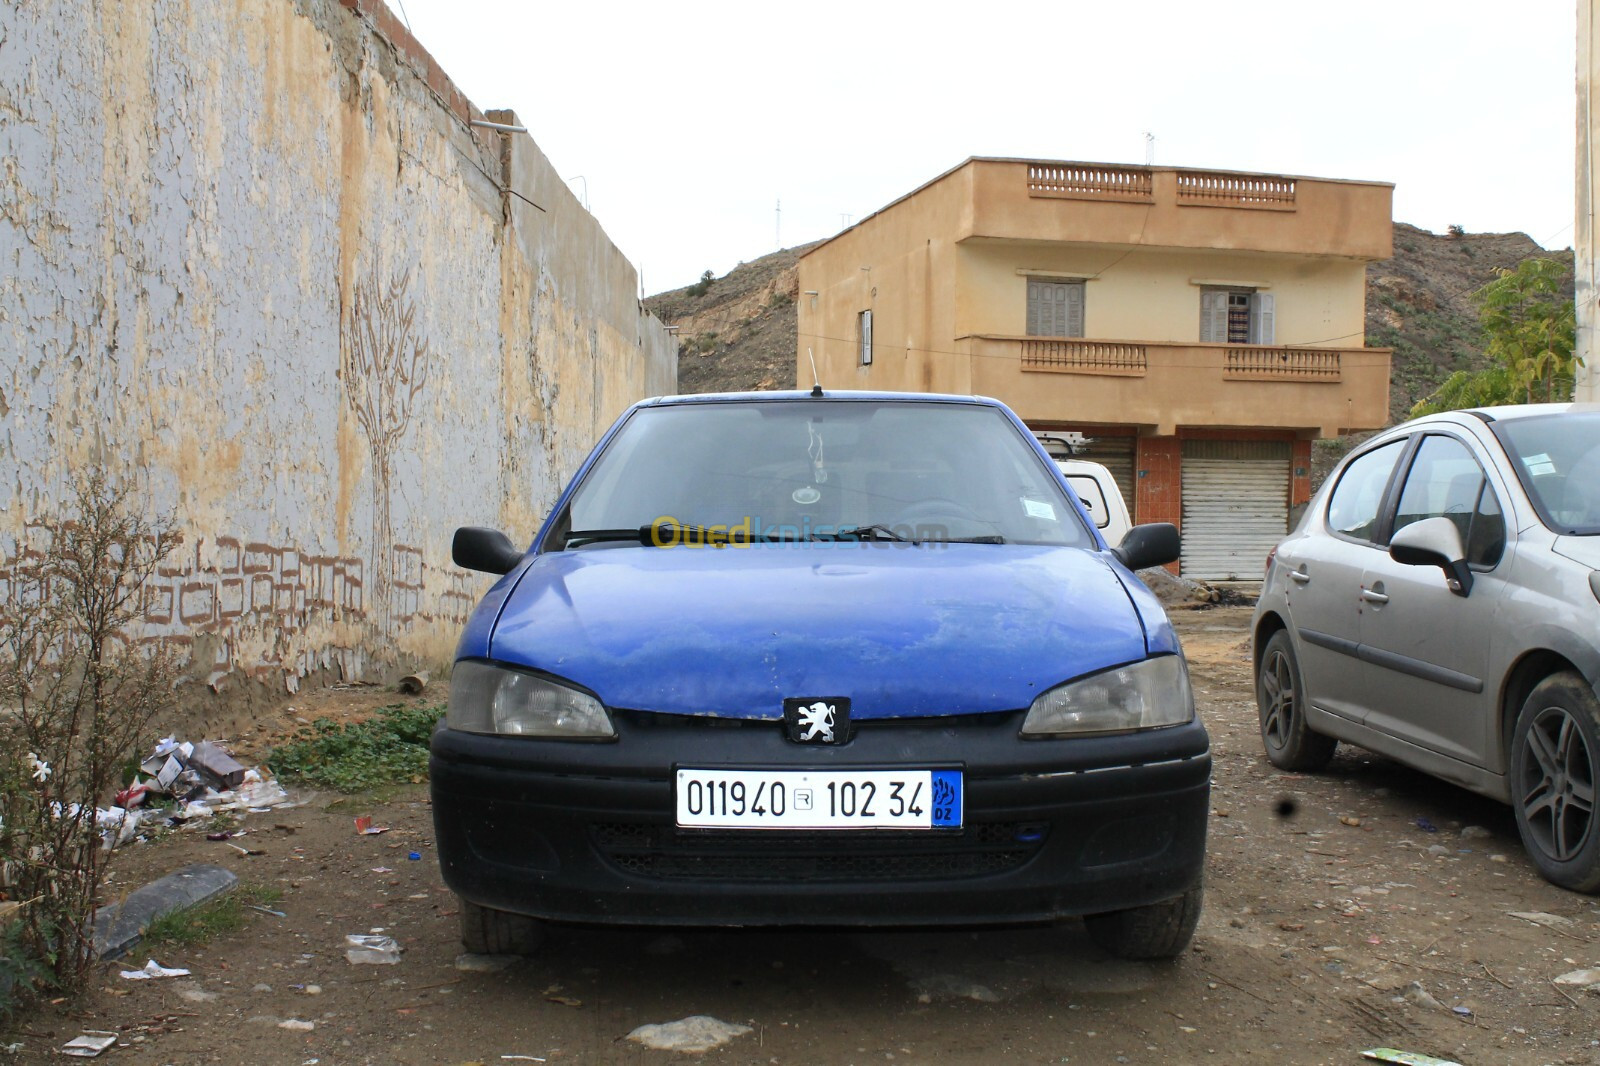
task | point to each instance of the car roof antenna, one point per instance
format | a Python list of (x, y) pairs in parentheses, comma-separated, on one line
[(816, 382)]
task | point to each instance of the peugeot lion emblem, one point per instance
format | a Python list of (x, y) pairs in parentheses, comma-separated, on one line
[(817, 719)]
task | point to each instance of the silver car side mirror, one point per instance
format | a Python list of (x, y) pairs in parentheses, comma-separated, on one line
[(1434, 542)]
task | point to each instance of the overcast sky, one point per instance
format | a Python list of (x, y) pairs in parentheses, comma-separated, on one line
[(689, 122)]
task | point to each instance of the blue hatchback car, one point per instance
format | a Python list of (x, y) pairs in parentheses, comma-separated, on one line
[(821, 659)]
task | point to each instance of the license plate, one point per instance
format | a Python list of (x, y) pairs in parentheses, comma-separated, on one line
[(819, 799)]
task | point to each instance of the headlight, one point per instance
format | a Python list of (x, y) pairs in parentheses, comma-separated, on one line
[(485, 698), (1143, 695)]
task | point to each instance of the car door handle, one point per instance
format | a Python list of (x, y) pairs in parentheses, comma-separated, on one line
[(1372, 595), (1299, 575)]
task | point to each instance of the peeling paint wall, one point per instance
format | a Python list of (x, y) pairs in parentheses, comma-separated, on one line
[(254, 258)]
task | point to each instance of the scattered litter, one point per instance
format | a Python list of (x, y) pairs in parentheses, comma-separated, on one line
[(220, 769), (382, 870), (90, 1044), (1427, 827), (1406, 1058), (1552, 921), (297, 1025), (1465, 1012), (373, 950), (696, 1033), (246, 851), (1420, 996), (202, 779), (266, 910), (153, 969), (521, 1058), (415, 856), (1579, 978), (364, 827)]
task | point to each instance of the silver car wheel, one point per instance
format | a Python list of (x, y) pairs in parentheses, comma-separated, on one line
[(1281, 700), (1558, 772), (1278, 692)]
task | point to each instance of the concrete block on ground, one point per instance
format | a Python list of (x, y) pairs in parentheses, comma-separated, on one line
[(119, 926)]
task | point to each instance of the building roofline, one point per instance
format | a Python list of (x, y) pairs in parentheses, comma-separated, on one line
[(1153, 168)]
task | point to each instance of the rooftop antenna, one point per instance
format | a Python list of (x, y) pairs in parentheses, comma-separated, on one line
[(1149, 149), (816, 382)]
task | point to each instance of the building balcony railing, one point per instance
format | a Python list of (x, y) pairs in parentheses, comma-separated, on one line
[(1075, 182), (1072, 356), (1321, 390), (1044, 202)]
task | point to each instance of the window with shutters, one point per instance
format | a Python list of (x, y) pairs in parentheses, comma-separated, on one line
[(864, 337), (1236, 316), (1055, 308)]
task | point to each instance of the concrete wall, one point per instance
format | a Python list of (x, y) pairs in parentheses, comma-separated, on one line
[(254, 258)]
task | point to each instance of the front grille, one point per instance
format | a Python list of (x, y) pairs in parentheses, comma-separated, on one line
[(667, 853)]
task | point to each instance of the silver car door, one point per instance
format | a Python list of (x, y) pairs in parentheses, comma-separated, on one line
[(1323, 571), (1425, 648)]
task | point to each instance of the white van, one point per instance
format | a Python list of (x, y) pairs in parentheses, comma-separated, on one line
[(1101, 497)]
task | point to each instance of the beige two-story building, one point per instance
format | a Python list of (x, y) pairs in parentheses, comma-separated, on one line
[(1199, 327)]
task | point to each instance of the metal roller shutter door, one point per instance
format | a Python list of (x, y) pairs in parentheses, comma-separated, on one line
[(1116, 455), (1235, 507)]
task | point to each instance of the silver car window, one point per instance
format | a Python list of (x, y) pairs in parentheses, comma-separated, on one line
[(1557, 459), (1353, 505), (1446, 481)]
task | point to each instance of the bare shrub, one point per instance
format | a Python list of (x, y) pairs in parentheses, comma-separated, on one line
[(78, 693)]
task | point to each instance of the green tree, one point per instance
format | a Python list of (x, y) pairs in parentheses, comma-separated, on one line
[(1529, 327)]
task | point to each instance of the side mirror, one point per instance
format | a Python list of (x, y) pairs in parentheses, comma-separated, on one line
[(1151, 544), (1434, 542), (488, 550)]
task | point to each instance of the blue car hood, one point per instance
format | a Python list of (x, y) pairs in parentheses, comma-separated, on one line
[(900, 630)]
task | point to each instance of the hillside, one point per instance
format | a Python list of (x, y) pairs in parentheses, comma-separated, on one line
[(740, 332), (1420, 303)]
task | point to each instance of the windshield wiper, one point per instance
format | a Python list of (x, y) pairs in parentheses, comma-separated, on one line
[(595, 536), (992, 538), (874, 531)]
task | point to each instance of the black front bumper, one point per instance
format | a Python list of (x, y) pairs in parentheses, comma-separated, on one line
[(577, 831)]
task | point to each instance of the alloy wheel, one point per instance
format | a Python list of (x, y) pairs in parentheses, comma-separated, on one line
[(1558, 784), (1277, 686)]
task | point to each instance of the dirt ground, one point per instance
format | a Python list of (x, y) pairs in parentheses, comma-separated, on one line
[(1366, 906)]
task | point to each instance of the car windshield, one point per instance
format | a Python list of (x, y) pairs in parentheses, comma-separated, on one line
[(815, 469), (1558, 459)]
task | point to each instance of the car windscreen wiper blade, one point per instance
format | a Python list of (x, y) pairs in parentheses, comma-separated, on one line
[(595, 536), (874, 531), (992, 538)]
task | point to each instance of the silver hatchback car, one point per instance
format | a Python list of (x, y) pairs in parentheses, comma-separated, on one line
[(1439, 603)]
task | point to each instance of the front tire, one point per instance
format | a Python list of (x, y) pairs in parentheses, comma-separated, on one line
[(1281, 701), (1555, 761), (1158, 931), (491, 932)]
